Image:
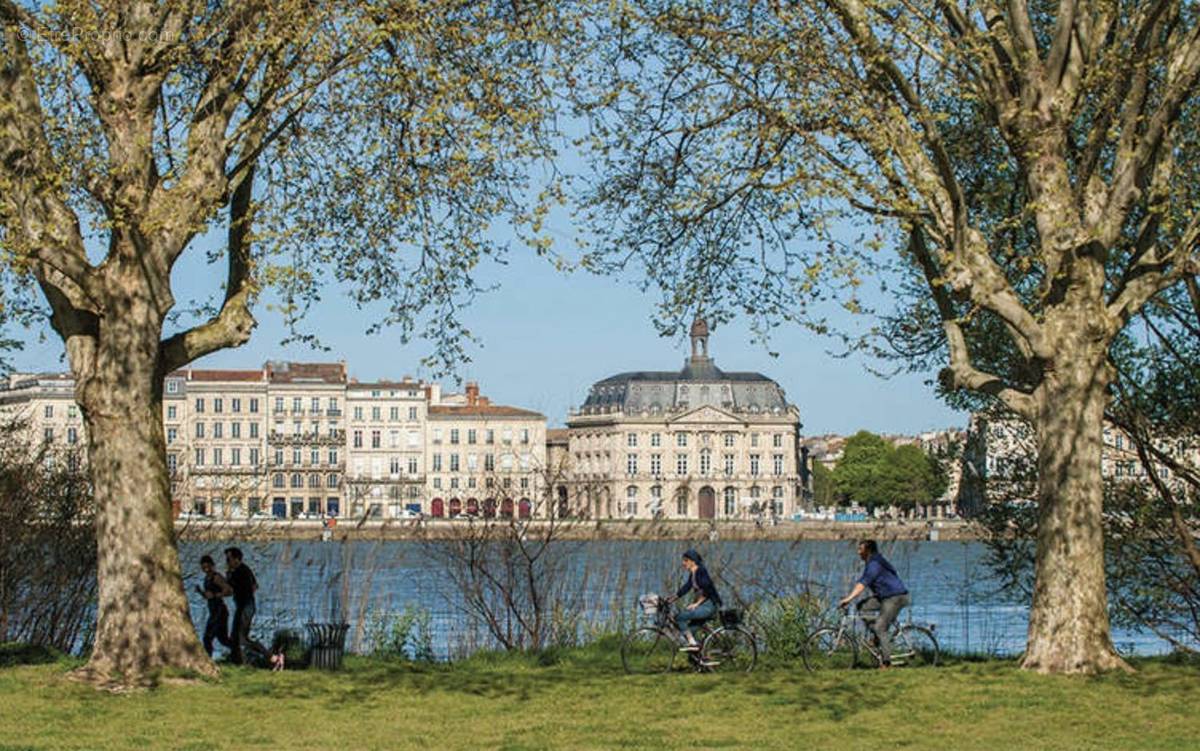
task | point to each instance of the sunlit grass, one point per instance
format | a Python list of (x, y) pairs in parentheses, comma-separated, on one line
[(581, 699)]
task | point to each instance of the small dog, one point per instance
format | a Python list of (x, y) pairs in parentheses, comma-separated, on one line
[(277, 662)]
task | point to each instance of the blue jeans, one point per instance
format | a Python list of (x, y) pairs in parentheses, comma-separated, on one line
[(689, 620)]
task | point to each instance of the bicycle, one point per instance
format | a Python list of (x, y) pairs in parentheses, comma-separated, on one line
[(725, 648), (841, 646)]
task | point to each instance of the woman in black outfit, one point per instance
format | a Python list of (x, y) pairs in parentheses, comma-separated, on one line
[(215, 590), (703, 606)]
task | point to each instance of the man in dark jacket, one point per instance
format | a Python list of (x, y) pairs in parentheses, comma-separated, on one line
[(888, 595), (703, 606), (244, 585)]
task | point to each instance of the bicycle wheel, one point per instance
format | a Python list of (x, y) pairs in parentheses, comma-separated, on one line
[(729, 650), (648, 650), (914, 646), (830, 649)]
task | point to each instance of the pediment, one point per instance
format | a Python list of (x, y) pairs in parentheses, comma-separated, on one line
[(705, 415)]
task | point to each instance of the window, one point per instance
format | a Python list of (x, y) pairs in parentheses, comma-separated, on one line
[(278, 481), (172, 387), (437, 435), (705, 462), (394, 439), (681, 464), (376, 439), (333, 406), (199, 405), (681, 503), (199, 430), (525, 435), (454, 462), (656, 464), (394, 414), (235, 457), (754, 464), (358, 414), (314, 481), (631, 440), (454, 436), (217, 457), (297, 404), (730, 502), (631, 500), (472, 462), (729, 440), (218, 430), (171, 412), (655, 439), (489, 462), (331, 481), (471, 435), (254, 406), (489, 437), (278, 457), (297, 480), (358, 439), (314, 456), (72, 436), (507, 435), (414, 439), (412, 413), (172, 434), (172, 463), (437, 463), (728, 464), (777, 440), (375, 414), (412, 465), (235, 430), (296, 427), (254, 430), (681, 440), (332, 456), (777, 464), (754, 440), (199, 457), (296, 455), (315, 404), (253, 457), (235, 405), (631, 464), (279, 404), (506, 462), (218, 404)]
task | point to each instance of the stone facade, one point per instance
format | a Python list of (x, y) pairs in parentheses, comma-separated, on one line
[(698, 443)]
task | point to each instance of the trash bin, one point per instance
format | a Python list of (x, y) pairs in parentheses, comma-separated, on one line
[(326, 644)]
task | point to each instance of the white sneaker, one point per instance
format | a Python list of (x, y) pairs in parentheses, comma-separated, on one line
[(690, 648)]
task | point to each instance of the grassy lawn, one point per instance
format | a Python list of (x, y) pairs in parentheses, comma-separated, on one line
[(581, 699)]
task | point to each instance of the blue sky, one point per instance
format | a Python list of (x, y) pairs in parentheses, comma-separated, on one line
[(547, 336)]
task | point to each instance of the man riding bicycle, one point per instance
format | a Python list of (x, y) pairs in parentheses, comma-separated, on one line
[(889, 595)]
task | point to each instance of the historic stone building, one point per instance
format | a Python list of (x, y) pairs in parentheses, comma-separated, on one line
[(698, 442)]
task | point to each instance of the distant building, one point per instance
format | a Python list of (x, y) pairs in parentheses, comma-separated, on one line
[(696, 443)]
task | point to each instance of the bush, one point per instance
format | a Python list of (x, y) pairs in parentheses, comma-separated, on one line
[(782, 624), (407, 635)]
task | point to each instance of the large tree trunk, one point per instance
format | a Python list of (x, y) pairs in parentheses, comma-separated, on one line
[(143, 624), (1068, 621)]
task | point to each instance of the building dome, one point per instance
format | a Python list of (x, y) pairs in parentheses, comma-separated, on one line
[(700, 382)]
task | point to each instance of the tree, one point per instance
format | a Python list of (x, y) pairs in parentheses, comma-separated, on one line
[(873, 472), (824, 492), (726, 133), (368, 143)]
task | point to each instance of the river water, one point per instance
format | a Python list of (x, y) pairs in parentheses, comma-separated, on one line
[(363, 581)]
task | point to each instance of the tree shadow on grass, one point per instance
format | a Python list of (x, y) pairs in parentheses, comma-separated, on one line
[(13, 655)]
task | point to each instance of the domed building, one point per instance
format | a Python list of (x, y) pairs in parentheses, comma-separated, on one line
[(694, 443)]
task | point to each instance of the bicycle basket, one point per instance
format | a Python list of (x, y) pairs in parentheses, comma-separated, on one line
[(731, 617), (649, 604)]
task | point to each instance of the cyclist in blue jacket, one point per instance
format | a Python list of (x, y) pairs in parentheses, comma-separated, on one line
[(706, 601), (888, 595)]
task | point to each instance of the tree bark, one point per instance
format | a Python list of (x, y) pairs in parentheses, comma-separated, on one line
[(143, 624), (1068, 621)]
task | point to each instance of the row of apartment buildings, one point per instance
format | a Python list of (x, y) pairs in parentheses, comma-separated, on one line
[(300, 440)]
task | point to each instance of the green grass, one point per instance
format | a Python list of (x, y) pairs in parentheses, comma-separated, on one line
[(580, 699)]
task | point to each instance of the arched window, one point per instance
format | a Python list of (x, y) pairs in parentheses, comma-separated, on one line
[(314, 481), (631, 500), (730, 502), (297, 480)]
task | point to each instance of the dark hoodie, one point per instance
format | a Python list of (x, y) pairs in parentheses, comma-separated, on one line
[(699, 581)]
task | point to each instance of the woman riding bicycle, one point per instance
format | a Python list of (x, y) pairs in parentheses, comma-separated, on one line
[(705, 604)]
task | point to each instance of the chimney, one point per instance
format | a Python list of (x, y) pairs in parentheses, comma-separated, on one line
[(472, 393), (484, 401)]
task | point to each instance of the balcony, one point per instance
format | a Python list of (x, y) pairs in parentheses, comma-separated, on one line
[(337, 438), (331, 412), (367, 479)]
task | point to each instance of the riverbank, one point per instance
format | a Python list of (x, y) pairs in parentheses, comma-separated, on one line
[(433, 529), (580, 699)]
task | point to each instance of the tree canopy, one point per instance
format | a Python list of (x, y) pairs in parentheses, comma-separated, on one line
[(874, 472)]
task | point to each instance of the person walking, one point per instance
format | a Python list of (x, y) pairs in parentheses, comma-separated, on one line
[(244, 585), (214, 591), (888, 596)]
